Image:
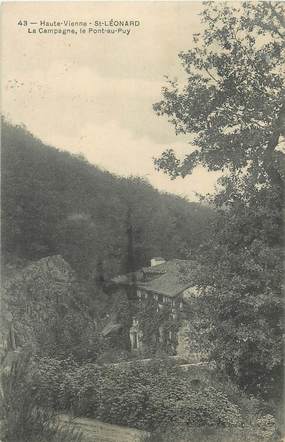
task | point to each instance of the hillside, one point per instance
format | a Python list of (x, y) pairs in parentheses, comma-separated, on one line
[(54, 202)]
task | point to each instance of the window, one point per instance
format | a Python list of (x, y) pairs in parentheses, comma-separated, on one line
[(160, 334)]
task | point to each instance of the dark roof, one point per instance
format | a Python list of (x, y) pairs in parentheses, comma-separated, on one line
[(169, 278)]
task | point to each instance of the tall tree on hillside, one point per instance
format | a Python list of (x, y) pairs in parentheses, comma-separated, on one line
[(233, 107)]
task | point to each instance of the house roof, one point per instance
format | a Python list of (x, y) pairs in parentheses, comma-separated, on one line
[(169, 278)]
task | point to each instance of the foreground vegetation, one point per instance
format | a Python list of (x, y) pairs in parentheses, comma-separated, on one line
[(22, 419), (149, 397)]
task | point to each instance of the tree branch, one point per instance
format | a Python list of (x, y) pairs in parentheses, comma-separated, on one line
[(209, 73)]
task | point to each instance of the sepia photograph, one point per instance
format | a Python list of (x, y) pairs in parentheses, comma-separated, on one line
[(142, 225)]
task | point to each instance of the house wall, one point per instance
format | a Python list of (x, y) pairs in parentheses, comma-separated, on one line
[(166, 335), (136, 336), (175, 302)]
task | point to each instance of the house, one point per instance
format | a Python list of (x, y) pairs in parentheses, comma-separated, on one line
[(164, 284)]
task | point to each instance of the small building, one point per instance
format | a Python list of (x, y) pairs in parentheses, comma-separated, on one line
[(166, 284)]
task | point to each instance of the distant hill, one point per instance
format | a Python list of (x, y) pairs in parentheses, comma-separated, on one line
[(54, 202)]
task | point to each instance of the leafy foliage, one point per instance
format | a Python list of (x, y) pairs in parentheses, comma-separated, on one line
[(260, 430), (233, 107), (137, 395), (22, 420), (157, 325), (242, 300), (233, 101)]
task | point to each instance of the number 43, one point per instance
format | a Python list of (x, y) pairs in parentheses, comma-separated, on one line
[(22, 23)]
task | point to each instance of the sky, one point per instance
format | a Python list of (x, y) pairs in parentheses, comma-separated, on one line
[(93, 93)]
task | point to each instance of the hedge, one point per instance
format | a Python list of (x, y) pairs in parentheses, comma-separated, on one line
[(136, 395)]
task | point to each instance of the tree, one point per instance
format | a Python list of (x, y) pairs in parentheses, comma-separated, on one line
[(233, 108), (233, 103), (242, 300)]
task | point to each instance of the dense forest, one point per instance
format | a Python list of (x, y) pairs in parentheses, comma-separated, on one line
[(54, 202)]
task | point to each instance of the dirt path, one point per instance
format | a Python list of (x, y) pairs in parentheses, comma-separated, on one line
[(96, 431)]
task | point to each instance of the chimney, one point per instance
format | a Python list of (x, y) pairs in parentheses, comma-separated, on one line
[(156, 261)]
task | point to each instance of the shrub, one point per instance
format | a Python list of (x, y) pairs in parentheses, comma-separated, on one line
[(212, 434), (139, 395), (22, 417), (154, 395)]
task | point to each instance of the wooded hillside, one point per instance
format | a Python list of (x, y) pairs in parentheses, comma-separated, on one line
[(54, 202)]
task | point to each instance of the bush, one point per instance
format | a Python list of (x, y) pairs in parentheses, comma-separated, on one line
[(213, 434), (23, 417), (155, 395), (137, 395)]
